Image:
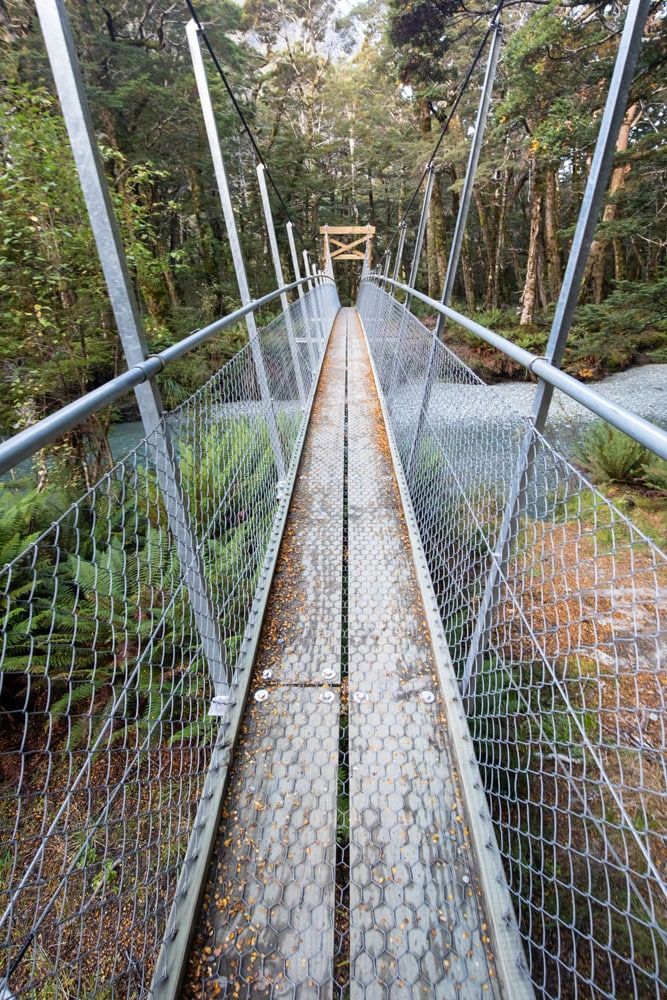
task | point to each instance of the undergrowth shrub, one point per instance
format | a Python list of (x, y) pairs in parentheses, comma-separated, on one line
[(610, 456), (86, 591), (655, 475)]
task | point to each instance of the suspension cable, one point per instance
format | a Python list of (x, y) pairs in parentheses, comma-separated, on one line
[(244, 121), (445, 127)]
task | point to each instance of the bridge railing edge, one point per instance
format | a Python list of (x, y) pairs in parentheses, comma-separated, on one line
[(171, 966), (507, 947)]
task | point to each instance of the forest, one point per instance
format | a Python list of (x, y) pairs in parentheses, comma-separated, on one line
[(346, 101)]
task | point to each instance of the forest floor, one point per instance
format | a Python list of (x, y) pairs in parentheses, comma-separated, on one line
[(492, 366)]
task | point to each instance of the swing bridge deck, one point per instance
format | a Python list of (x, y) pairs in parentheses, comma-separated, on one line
[(345, 705)]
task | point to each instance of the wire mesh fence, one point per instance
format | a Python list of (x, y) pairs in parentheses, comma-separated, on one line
[(557, 638), (105, 677)]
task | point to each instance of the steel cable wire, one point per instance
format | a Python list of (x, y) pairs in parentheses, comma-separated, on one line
[(244, 121)]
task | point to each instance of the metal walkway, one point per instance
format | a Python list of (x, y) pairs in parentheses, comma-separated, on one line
[(342, 864)]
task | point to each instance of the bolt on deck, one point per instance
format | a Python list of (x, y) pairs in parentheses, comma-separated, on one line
[(342, 865)]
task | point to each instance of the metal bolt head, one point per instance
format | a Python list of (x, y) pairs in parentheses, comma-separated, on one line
[(359, 696), (327, 697), (267, 674), (329, 673), (428, 697), (261, 695)]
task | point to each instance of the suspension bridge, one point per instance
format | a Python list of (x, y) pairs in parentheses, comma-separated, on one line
[(345, 681)]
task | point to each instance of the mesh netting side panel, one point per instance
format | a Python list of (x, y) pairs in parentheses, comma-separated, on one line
[(567, 702), (104, 683)]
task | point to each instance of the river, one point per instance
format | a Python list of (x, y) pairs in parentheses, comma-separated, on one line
[(642, 389)]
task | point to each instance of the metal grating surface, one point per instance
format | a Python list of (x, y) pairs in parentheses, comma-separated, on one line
[(343, 866), (267, 923), (267, 927), (306, 618), (417, 924)]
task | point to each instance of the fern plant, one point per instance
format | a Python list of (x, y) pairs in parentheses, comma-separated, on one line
[(86, 597), (655, 475), (611, 456)]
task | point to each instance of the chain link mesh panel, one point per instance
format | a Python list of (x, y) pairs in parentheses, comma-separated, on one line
[(556, 630), (105, 687)]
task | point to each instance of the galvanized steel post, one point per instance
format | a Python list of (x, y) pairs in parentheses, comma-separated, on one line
[(295, 256), (313, 350), (399, 253), (310, 304), (192, 33), (307, 270), (414, 271), (315, 300), (593, 200), (328, 262), (459, 229), (65, 68), (280, 280)]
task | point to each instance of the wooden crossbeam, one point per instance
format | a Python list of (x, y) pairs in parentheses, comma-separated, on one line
[(346, 230), (356, 249), (349, 246)]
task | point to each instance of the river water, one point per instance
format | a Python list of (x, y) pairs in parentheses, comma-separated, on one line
[(642, 389)]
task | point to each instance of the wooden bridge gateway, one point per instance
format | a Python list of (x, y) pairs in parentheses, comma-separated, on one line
[(358, 249), (344, 682)]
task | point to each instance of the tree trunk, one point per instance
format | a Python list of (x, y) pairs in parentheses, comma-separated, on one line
[(551, 213), (485, 227), (530, 287), (493, 285), (598, 254), (430, 261), (437, 224), (425, 123), (468, 278)]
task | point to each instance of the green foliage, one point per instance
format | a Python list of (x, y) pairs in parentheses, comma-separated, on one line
[(95, 595), (52, 339), (655, 474), (416, 30), (346, 108), (611, 456), (630, 322)]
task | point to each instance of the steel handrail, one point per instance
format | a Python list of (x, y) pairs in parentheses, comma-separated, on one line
[(26, 443), (638, 428)]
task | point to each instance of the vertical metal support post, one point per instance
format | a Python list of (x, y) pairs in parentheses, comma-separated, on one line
[(69, 85), (313, 300), (364, 266), (421, 232), (591, 208), (328, 264), (192, 33), (313, 351), (399, 252), (295, 257), (307, 271), (387, 264), (280, 279), (459, 229), (414, 271)]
